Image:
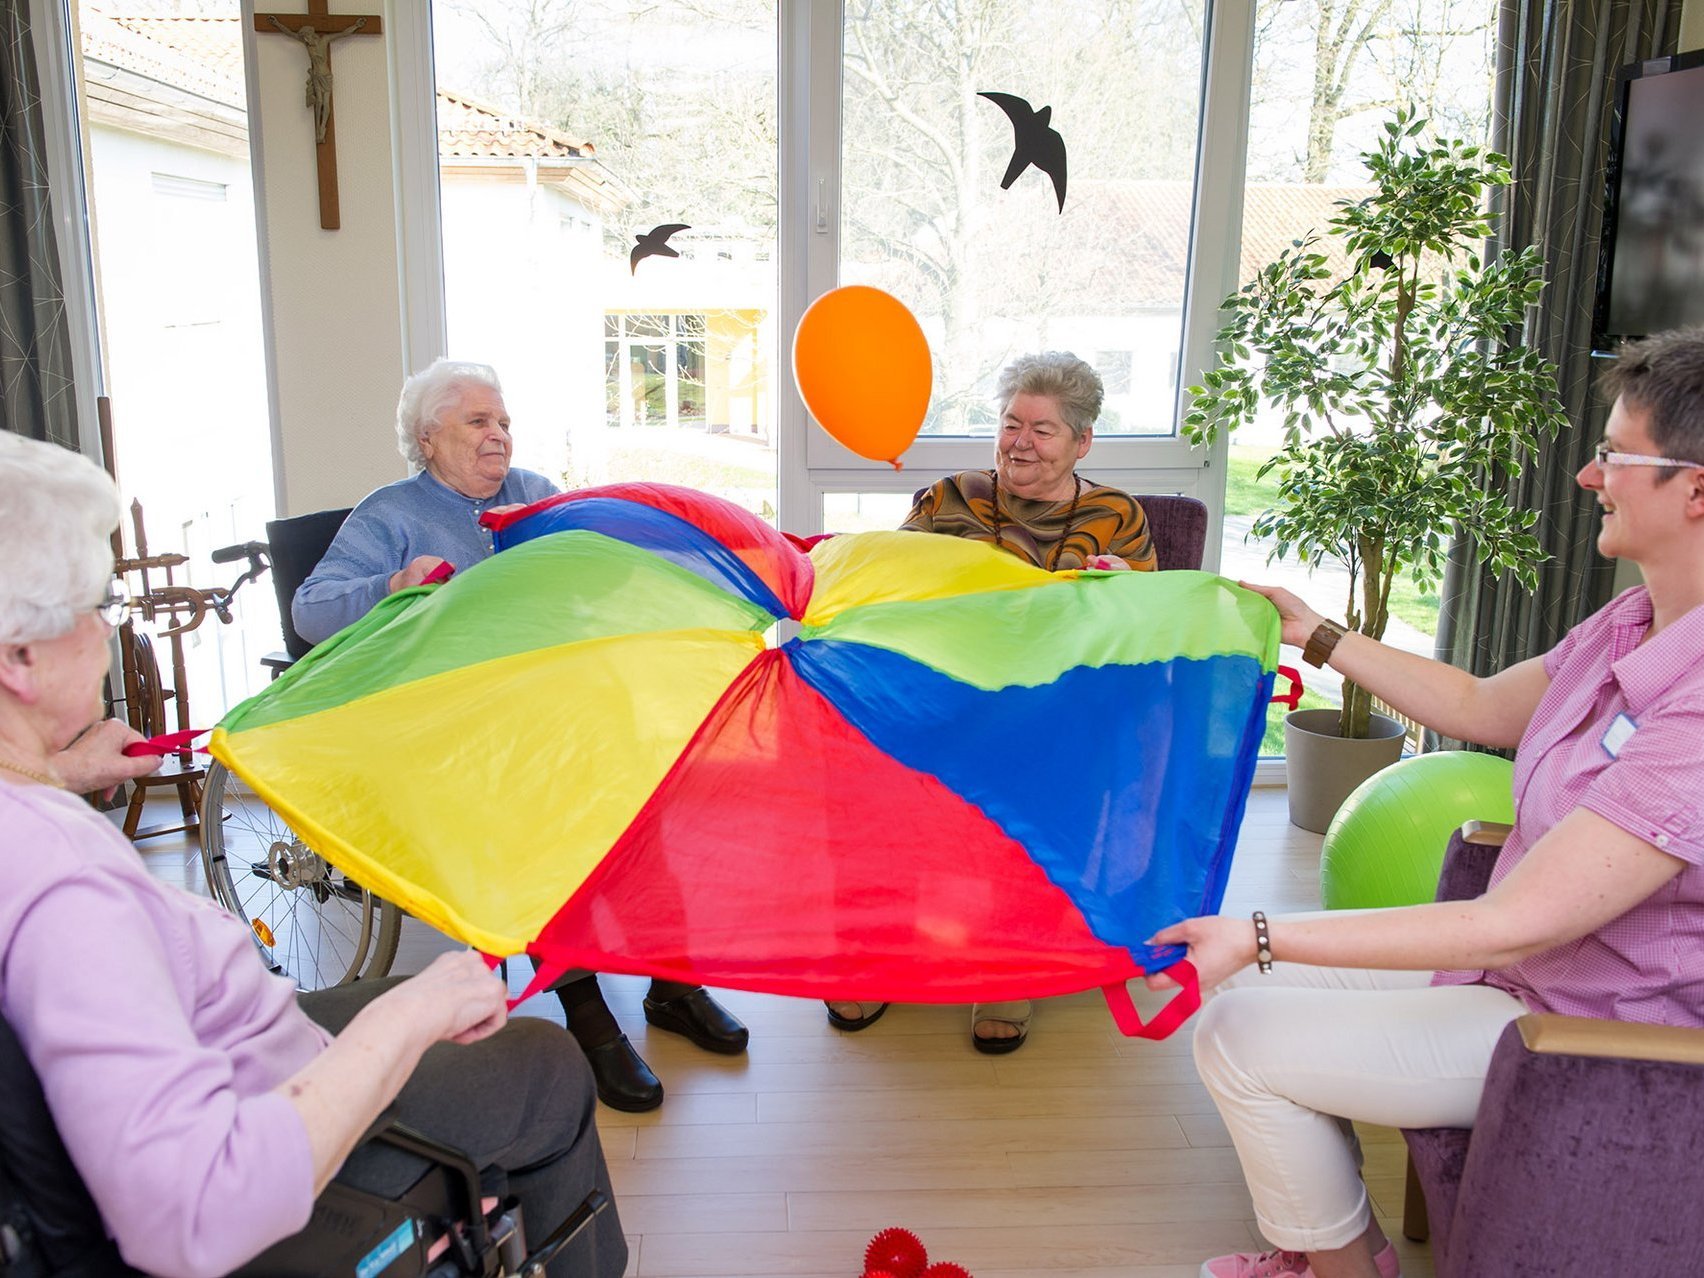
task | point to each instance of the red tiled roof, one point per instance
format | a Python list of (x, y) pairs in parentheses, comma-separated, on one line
[(467, 127), (205, 55), (201, 54)]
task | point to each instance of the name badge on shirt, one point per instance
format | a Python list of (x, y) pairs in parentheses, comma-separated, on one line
[(1617, 735)]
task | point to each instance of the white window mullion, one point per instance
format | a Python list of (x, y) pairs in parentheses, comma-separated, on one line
[(419, 211), (1226, 76), (809, 66)]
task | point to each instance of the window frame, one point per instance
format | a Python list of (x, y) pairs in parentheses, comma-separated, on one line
[(809, 463)]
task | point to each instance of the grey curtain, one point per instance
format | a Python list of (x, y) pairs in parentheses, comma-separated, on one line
[(1554, 100), (36, 394)]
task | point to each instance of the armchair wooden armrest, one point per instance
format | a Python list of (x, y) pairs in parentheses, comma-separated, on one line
[(1549, 1034)]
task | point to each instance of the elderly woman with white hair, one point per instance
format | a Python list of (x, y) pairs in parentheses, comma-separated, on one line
[(453, 430), (202, 1103), (1032, 504)]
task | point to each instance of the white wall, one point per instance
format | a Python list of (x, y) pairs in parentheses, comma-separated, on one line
[(335, 333)]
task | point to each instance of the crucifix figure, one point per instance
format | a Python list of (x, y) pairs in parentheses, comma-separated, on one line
[(316, 30), (319, 68)]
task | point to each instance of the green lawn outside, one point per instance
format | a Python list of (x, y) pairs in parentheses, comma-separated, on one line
[(1247, 495), (1272, 744), (1244, 494)]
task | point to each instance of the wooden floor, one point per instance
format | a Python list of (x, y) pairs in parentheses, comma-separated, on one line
[(1083, 1154)]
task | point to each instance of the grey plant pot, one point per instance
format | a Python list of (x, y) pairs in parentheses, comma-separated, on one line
[(1324, 767)]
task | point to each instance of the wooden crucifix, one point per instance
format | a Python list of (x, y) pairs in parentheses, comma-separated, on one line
[(316, 29)]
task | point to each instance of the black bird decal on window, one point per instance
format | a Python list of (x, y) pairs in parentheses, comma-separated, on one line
[(654, 243), (1033, 142)]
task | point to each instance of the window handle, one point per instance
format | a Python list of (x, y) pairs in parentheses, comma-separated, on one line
[(822, 206)]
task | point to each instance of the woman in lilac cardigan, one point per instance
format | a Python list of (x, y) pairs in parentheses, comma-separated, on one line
[(202, 1105)]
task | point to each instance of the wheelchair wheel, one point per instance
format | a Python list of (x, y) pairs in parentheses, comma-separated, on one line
[(311, 922)]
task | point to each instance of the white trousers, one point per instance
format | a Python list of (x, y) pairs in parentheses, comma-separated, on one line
[(1290, 1056)]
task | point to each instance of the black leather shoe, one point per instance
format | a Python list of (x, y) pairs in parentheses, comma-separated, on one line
[(700, 1018), (624, 1080)]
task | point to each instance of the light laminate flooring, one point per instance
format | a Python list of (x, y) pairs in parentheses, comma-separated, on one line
[(1084, 1154)]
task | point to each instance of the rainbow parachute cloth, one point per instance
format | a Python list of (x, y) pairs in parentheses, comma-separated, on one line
[(965, 778)]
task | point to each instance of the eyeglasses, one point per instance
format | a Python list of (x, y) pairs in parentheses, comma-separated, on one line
[(1605, 457), (114, 609)]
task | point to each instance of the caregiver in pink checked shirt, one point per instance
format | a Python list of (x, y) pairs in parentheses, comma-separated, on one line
[(1596, 904)]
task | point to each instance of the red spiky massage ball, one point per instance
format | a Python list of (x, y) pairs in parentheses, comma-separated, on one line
[(898, 1251), (945, 1269)]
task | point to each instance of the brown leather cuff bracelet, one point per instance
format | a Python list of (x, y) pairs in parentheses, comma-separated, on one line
[(1321, 642), (1262, 943)]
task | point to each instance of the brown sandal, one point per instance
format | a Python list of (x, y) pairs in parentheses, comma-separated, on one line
[(1015, 1013), (852, 1024)]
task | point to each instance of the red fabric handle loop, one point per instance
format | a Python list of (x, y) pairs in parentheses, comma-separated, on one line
[(1184, 1004), (544, 975), (443, 572), (166, 743), (1292, 698)]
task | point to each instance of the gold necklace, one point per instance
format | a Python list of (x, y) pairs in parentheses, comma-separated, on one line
[(32, 774)]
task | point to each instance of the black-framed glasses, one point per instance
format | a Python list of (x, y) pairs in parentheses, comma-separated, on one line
[(1608, 457), (114, 608)]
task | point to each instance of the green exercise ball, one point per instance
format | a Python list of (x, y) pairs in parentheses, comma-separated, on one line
[(1386, 843)]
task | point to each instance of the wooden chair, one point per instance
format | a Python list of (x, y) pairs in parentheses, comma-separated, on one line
[(146, 710)]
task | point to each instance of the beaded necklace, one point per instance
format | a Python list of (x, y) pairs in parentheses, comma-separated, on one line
[(32, 774), (1070, 514)]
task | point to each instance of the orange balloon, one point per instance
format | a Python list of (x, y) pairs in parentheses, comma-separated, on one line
[(863, 368)]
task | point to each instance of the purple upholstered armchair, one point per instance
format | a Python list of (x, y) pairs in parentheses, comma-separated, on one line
[(1587, 1154), (1177, 526)]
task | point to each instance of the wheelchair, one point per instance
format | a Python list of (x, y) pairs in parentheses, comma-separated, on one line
[(51, 1228), (310, 923)]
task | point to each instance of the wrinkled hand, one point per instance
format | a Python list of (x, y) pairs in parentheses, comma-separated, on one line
[(506, 508), (414, 572), (1300, 621), (96, 760), (456, 997), (1107, 563), (1219, 948)]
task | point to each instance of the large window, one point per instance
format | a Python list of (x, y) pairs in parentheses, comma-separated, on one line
[(993, 273), (796, 147), (566, 131), (177, 287), (1316, 105)]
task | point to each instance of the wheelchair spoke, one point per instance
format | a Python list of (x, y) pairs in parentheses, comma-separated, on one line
[(309, 921)]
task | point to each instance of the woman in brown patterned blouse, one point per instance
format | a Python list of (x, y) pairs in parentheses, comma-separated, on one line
[(1033, 504)]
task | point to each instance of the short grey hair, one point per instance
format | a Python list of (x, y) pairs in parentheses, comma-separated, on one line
[(1072, 383), (426, 396), (57, 513), (1664, 375)]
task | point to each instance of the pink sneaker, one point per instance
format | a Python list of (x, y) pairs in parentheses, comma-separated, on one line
[(1285, 1264)]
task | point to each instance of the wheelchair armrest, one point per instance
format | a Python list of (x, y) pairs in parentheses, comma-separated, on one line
[(459, 1166)]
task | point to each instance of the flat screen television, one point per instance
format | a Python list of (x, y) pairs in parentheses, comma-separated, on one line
[(1651, 259)]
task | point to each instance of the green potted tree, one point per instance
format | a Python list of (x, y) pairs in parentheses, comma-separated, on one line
[(1404, 397)]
